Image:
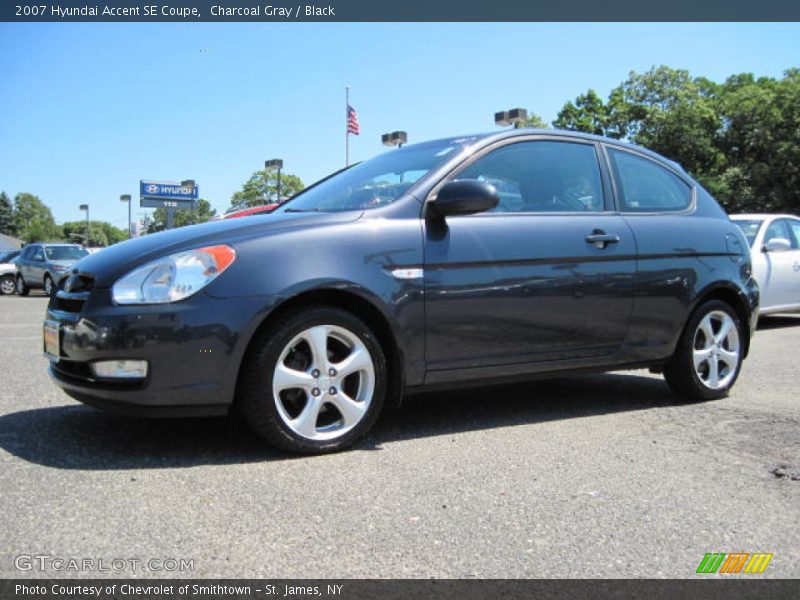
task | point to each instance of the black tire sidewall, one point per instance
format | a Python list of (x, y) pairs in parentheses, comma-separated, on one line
[(22, 287), (256, 399)]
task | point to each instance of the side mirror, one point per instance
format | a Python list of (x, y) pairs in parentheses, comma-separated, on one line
[(464, 197), (777, 245)]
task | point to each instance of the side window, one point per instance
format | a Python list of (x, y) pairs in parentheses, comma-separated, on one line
[(794, 225), (27, 251), (779, 229), (645, 186), (542, 176), (37, 253)]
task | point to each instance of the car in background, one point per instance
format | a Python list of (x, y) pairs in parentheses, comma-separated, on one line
[(775, 249), (43, 264), (248, 212), (412, 271), (8, 271)]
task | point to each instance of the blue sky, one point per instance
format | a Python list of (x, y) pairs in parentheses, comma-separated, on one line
[(87, 110)]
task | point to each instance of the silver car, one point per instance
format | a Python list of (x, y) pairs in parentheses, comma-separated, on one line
[(775, 248), (43, 265)]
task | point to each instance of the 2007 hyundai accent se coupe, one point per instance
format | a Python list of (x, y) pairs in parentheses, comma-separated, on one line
[(452, 262)]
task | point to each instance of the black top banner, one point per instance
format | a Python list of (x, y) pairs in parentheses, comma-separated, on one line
[(399, 10)]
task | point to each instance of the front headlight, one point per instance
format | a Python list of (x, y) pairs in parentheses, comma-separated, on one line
[(174, 277)]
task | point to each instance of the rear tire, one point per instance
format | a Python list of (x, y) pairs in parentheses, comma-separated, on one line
[(22, 287), (7, 285), (313, 381), (49, 286), (708, 358)]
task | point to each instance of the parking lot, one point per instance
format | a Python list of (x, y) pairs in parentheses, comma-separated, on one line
[(590, 476)]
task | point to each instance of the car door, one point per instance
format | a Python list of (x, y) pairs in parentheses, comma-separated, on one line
[(781, 279), (24, 262), (546, 275), (36, 266)]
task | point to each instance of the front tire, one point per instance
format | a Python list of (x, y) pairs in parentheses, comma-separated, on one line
[(7, 285), (22, 287), (314, 381), (49, 286), (708, 358)]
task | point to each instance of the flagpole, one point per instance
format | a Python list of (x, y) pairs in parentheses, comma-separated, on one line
[(346, 128)]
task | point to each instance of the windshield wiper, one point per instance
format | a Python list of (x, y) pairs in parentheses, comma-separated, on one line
[(300, 210)]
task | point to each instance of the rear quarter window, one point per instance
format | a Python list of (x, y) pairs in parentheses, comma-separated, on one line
[(645, 186)]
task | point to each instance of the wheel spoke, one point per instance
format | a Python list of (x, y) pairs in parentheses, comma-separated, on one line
[(701, 356), (317, 338), (724, 329), (357, 360), (707, 329), (713, 373), (351, 410), (286, 378), (306, 422), (729, 358)]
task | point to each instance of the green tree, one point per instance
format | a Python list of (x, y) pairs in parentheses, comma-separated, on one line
[(671, 113), (535, 121), (262, 188), (33, 220), (760, 139), (7, 224), (101, 233), (588, 114), (202, 212)]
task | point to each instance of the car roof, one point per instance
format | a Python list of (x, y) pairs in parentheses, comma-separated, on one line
[(487, 138), (761, 216)]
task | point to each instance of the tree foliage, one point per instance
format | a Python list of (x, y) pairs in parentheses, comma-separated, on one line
[(33, 221), (741, 138), (7, 224), (101, 233), (262, 188), (202, 212)]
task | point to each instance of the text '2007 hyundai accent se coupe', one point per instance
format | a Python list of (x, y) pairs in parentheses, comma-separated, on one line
[(452, 262)]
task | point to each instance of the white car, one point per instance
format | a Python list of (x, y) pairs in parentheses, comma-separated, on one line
[(8, 271), (775, 250)]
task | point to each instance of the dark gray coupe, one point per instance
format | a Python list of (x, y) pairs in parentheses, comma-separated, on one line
[(453, 262)]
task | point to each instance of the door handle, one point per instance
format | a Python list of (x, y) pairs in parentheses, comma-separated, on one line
[(601, 239)]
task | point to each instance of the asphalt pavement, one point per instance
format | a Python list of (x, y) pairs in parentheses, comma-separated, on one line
[(589, 476)]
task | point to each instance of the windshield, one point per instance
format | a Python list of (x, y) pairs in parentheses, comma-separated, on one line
[(749, 228), (8, 256), (65, 252), (378, 181)]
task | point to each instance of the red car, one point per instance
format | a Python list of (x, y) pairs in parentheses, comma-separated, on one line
[(246, 212)]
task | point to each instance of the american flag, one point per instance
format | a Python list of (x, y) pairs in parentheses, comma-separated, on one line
[(352, 121)]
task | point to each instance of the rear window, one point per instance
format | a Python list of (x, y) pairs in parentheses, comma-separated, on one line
[(645, 186)]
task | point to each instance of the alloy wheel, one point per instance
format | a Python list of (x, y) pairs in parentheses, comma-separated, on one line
[(7, 286), (323, 382), (716, 350)]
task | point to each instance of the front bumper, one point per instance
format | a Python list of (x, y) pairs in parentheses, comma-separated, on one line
[(193, 349)]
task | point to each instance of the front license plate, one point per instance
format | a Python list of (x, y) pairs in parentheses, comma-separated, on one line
[(52, 347)]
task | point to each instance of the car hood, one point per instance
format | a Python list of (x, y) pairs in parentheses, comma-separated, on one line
[(63, 263), (113, 262)]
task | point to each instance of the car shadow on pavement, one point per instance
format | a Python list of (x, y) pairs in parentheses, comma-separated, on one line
[(778, 322), (79, 437)]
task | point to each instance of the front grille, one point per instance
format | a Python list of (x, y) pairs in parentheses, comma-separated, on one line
[(72, 293)]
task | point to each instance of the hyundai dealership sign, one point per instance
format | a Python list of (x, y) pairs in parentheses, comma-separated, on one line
[(166, 194)]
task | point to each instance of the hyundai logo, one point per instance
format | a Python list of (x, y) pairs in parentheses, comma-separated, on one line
[(151, 188)]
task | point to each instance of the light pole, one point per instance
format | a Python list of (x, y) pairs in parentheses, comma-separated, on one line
[(396, 138), (514, 116), (276, 163), (127, 198), (86, 208), (188, 183)]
